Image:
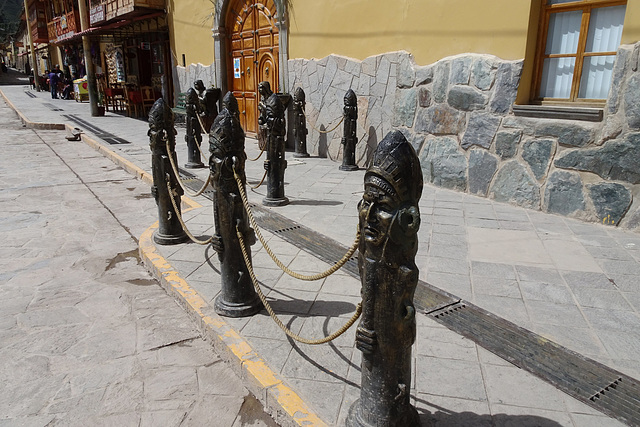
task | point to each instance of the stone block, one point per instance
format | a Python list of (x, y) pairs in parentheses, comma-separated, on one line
[(481, 129), (424, 75), (424, 97), (619, 72), (507, 143), (443, 164), (632, 102), (482, 74), (616, 160), (513, 184), (538, 153), (404, 109), (406, 74), (482, 168), (610, 200), (382, 73), (440, 119), (568, 133), (466, 98), (441, 81), (506, 86), (564, 193), (460, 71), (416, 140)]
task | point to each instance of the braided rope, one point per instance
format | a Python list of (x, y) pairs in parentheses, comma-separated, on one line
[(264, 147), (201, 130), (318, 130), (175, 171), (184, 226), (275, 259), (261, 181), (274, 316)]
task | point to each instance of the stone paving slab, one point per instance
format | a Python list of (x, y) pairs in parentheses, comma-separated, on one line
[(472, 247)]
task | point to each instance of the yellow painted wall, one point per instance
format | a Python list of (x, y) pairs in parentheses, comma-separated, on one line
[(190, 24), (631, 28), (429, 29)]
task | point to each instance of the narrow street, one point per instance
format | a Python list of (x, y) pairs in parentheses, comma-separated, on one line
[(87, 336)]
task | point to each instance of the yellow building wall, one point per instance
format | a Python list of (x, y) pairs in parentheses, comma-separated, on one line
[(190, 24), (428, 29)]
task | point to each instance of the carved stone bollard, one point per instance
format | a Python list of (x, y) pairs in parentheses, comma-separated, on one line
[(193, 135), (389, 222), (299, 124), (226, 144), (349, 140), (273, 119), (208, 104), (161, 130), (264, 89)]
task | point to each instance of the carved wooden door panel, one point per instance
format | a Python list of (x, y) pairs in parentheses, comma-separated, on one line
[(253, 55)]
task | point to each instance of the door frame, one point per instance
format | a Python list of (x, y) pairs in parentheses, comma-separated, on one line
[(221, 49)]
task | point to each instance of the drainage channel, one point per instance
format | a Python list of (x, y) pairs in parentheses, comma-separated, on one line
[(605, 389), (102, 134)]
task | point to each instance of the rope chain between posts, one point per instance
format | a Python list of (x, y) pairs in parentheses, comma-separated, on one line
[(318, 130), (275, 259), (264, 147), (184, 226), (175, 171), (275, 317), (261, 181)]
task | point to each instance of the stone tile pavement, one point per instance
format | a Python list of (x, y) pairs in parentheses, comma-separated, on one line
[(571, 282)]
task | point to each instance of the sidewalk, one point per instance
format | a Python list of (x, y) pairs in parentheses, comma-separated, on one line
[(574, 283)]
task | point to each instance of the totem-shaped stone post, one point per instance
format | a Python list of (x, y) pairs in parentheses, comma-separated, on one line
[(299, 124), (389, 220), (208, 104), (349, 139), (226, 145), (275, 164), (193, 136), (264, 89), (160, 132)]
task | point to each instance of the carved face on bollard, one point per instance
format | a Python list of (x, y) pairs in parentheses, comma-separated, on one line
[(388, 211)]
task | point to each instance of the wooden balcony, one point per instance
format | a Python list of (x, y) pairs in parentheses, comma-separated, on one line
[(126, 8), (63, 27), (38, 22)]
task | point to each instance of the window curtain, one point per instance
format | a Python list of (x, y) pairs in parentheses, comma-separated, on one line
[(604, 34)]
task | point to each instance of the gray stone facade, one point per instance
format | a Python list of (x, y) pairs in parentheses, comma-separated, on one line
[(185, 77), (458, 115)]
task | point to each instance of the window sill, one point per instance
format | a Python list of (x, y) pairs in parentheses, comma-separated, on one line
[(558, 112)]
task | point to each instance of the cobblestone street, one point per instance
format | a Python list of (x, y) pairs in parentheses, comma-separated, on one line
[(88, 337)]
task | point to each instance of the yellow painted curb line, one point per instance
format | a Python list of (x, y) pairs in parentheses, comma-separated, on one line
[(28, 123), (265, 384)]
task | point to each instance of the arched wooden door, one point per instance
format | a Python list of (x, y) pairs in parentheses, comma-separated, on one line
[(253, 55)]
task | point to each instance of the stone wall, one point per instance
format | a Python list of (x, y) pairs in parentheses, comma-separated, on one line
[(184, 77), (458, 115)]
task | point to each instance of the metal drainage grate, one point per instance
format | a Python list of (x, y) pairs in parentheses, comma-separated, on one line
[(30, 94), (593, 383), (52, 107)]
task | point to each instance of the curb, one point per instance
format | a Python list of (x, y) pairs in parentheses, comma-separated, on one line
[(285, 406), (28, 123)]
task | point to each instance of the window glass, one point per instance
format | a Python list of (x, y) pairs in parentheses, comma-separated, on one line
[(557, 75), (559, 1), (596, 77), (605, 29), (564, 32)]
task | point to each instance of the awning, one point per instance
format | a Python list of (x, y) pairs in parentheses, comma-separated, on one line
[(106, 28)]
